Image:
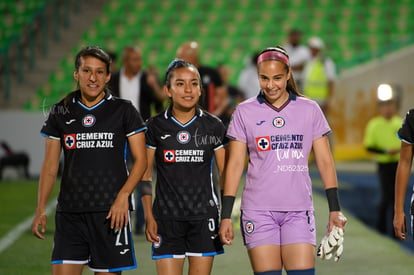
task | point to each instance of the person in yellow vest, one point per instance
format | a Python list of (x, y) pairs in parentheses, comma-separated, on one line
[(319, 74), (381, 139)]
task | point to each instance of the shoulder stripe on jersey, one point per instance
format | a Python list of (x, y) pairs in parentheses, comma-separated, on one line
[(137, 131), (327, 133), (231, 137), (49, 136), (406, 141), (218, 147)]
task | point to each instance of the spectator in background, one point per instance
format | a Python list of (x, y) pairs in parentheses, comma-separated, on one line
[(235, 96), (319, 75), (381, 139), (248, 82), (142, 88), (114, 58), (214, 97), (298, 55)]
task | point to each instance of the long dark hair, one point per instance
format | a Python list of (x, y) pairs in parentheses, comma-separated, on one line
[(291, 83)]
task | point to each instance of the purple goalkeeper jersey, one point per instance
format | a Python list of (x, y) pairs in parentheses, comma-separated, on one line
[(279, 141)]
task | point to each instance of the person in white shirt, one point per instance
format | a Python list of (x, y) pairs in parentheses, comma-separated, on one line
[(142, 88), (299, 54), (248, 82)]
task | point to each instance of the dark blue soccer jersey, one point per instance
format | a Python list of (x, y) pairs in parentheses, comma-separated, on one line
[(184, 157), (406, 132), (93, 141)]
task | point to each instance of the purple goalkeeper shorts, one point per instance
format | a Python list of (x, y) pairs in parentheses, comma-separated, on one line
[(277, 228)]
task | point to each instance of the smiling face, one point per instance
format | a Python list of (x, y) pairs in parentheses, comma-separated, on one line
[(92, 77), (273, 77), (185, 88)]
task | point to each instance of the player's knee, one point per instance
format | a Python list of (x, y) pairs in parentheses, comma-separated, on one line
[(270, 272), (310, 271)]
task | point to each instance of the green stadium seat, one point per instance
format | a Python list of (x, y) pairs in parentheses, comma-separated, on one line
[(228, 30)]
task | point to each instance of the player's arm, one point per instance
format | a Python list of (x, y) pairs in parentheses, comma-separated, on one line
[(401, 183), (220, 156), (47, 180), (233, 172), (326, 167), (151, 229), (153, 82), (119, 213)]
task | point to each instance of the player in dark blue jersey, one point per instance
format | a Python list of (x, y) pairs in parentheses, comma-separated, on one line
[(183, 141), (93, 212), (406, 135)]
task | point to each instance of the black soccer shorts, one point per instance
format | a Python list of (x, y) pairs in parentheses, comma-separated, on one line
[(179, 239), (86, 238)]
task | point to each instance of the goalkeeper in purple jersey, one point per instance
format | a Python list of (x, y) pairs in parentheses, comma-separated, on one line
[(277, 130)]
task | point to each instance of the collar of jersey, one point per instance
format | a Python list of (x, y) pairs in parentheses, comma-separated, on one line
[(168, 114), (76, 99), (262, 99)]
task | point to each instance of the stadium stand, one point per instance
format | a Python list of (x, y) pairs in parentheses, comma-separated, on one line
[(15, 15), (228, 31)]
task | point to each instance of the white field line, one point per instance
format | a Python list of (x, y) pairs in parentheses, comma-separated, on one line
[(19, 229)]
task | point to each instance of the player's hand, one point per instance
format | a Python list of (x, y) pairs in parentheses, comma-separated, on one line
[(331, 245), (152, 79), (400, 226), (336, 218), (151, 230), (226, 232), (39, 221), (119, 213)]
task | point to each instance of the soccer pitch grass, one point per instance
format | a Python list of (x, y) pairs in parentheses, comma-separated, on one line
[(365, 251)]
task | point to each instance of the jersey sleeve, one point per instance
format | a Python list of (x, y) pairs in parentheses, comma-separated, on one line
[(406, 132), (149, 135), (133, 120), (237, 129), (50, 127), (321, 124), (221, 134)]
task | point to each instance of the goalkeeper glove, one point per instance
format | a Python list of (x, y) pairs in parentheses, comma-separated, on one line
[(331, 245)]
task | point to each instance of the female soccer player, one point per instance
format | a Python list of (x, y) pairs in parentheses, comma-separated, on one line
[(278, 129), (92, 216), (183, 141), (406, 134)]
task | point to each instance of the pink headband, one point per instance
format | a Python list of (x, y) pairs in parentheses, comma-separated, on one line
[(273, 55)]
